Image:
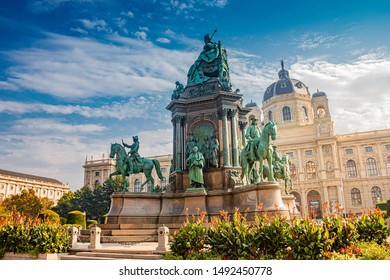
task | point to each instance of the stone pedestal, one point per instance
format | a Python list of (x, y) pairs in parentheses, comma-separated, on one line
[(171, 207), (95, 233), (289, 201), (163, 234), (74, 234), (194, 202)]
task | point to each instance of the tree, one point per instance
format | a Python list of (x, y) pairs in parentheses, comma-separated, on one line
[(65, 204), (27, 202)]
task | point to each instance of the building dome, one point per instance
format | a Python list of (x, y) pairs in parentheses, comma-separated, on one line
[(285, 85), (319, 94), (251, 104)]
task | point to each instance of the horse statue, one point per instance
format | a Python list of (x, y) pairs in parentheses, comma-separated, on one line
[(125, 166), (263, 150), (282, 171)]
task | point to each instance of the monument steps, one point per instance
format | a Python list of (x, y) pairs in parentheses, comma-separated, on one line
[(128, 233), (111, 256)]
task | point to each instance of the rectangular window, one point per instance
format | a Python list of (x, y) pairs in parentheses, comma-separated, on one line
[(348, 151), (97, 173), (290, 154), (309, 152), (163, 169), (387, 147), (368, 149)]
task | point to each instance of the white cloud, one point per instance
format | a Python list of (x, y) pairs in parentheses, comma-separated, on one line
[(163, 40), (358, 92), (312, 40), (129, 14), (132, 108), (78, 67), (141, 35)]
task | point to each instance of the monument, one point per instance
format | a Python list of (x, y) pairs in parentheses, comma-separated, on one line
[(209, 172)]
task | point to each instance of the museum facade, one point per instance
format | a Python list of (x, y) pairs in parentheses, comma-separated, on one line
[(346, 171), (13, 183)]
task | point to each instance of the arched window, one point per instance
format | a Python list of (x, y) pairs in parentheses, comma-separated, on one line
[(356, 197), (304, 113), (149, 184), (351, 169), (97, 183), (270, 117), (314, 201), (310, 170), (286, 113), (137, 185), (388, 165), (293, 171), (371, 167), (321, 112), (376, 195)]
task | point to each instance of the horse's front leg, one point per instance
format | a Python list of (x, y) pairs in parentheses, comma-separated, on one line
[(271, 168), (261, 170)]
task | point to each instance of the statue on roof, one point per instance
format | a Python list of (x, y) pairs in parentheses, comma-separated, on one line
[(211, 62)]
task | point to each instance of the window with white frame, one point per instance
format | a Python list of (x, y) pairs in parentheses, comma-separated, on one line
[(356, 197), (372, 170), (348, 151), (351, 169), (376, 194), (311, 170)]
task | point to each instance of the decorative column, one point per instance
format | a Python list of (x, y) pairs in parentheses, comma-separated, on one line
[(178, 142), (242, 129), (233, 114), (321, 161), (301, 171), (225, 139)]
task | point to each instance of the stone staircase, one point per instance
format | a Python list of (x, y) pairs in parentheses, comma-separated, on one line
[(143, 253), (120, 241), (128, 234)]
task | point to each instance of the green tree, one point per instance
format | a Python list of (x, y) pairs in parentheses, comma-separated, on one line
[(27, 202), (65, 204)]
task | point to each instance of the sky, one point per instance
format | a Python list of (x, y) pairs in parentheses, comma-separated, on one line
[(78, 75)]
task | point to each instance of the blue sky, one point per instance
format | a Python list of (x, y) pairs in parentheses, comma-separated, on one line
[(77, 75)]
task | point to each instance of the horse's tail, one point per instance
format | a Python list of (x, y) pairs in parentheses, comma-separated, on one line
[(158, 169)]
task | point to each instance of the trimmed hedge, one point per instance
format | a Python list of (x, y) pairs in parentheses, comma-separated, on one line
[(77, 217), (49, 215)]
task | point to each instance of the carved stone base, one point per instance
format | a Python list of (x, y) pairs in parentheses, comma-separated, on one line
[(289, 201), (170, 207)]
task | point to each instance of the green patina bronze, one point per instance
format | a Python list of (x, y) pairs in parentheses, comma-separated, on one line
[(177, 91), (133, 163), (263, 150), (212, 62), (195, 162), (281, 170)]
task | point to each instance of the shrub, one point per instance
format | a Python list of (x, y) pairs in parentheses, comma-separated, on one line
[(374, 251), (272, 237), (232, 239), (77, 217), (342, 232), (190, 237), (372, 227), (49, 215), (309, 241), (91, 223), (20, 234)]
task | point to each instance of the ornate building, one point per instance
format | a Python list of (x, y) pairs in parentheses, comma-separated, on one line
[(13, 183), (349, 170), (96, 172)]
